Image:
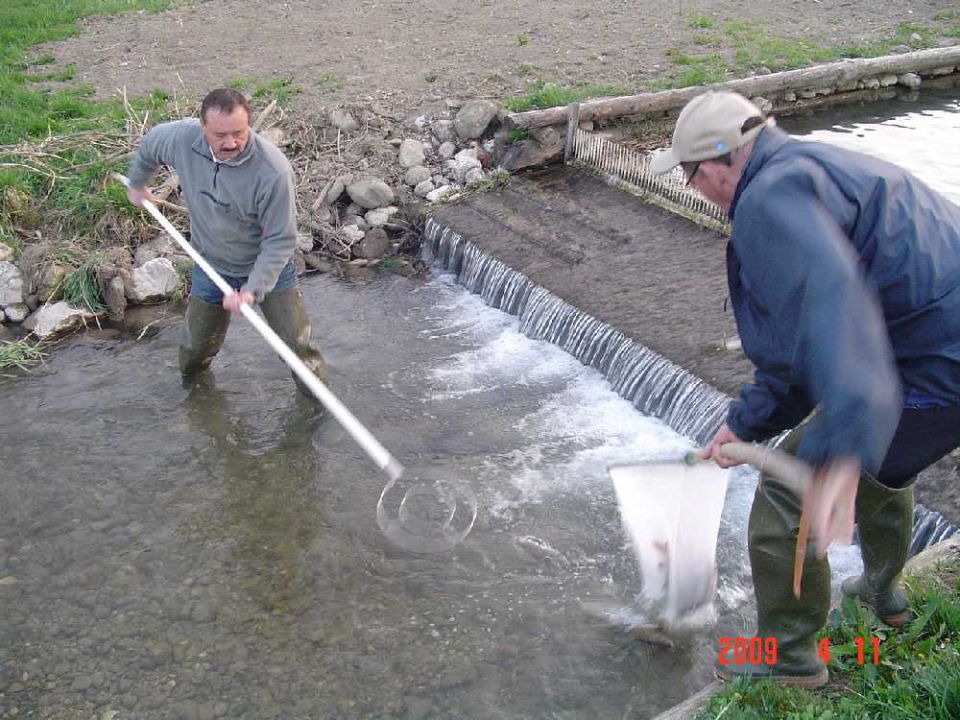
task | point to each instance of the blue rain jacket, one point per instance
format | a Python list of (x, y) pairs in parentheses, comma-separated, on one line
[(844, 275)]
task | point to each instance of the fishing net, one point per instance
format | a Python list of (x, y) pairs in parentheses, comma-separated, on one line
[(671, 513)]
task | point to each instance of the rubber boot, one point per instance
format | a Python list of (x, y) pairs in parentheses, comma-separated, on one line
[(885, 522), (793, 622), (287, 316), (204, 330)]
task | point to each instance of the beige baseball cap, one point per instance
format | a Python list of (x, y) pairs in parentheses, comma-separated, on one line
[(709, 126)]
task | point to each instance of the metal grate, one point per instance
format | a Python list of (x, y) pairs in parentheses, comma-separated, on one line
[(630, 170)]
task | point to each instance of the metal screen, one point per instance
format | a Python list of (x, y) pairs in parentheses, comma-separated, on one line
[(630, 170)]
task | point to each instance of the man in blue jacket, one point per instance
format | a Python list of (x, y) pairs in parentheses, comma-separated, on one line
[(240, 191), (844, 275)]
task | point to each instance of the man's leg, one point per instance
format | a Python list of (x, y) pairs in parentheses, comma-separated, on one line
[(885, 524), (885, 508), (286, 314), (204, 329), (204, 326), (793, 622)]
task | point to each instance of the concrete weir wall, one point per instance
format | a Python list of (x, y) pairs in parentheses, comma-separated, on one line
[(781, 93)]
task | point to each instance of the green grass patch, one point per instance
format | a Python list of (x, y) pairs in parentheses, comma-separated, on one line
[(701, 22), (914, 673), (21, 354), (329, 82), (81, 289), (281, 88), (523, 39), (496, 180), (545, 94)]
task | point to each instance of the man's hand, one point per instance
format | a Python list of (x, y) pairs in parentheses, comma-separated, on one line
[(233, 301), (830, 503), (715, 448), (137, 195)]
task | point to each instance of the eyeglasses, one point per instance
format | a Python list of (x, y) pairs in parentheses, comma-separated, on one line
[(690, 169)]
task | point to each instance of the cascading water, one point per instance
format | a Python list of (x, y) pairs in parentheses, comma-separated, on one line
[(653, 384)]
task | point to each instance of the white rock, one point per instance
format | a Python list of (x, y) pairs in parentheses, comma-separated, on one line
[(304, 242), (910, 80), (154, 280), (377, 218), (444, 132), (423, 189), (447, 150), (357, 221), (352, 233), (17, 312), (464, 161), (440, 193), (370, 193), (416, 175), (55, 318), (474, 117), (6, 253), (161, 246), (888, 80), (411, 153), (11, 284), (474, 176)]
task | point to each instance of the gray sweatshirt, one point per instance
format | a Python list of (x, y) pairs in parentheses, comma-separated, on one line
[(242, 211)]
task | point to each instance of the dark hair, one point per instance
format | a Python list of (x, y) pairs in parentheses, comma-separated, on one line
[(749, 124), (223, 100)]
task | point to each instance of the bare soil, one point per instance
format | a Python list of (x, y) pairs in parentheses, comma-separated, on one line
[(403, 53)]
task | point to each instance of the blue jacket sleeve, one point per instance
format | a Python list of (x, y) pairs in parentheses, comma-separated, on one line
[(766, 407), (824, 322)]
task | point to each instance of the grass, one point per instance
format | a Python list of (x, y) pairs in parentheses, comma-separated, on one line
[(281, 88), (738, 47), (917, 676), (329, 82), (545, 94), (81, 288), (19, 354), (495, 180), (30, 112)]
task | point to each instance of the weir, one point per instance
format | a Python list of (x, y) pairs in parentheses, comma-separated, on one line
[(653, 384)]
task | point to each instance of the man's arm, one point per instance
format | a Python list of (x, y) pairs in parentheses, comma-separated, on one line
[(278, 220), (157, 148), (798, 261)]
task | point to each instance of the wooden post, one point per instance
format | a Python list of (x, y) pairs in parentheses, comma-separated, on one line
[(573, 124)]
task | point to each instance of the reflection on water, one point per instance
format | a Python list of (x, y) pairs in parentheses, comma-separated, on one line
[(920, 132), (215, 553)]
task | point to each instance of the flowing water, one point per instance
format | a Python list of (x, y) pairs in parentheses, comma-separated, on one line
[(215, 553)]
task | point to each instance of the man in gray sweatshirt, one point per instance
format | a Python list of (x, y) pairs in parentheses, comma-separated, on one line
[(240, 192)]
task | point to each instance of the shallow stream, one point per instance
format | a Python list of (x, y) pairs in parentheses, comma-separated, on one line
[(214, 553)]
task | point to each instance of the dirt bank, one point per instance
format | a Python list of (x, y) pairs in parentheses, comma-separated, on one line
[(403, 53)]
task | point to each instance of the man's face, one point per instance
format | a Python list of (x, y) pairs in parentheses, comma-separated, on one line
[(226, 134), (716, 182)]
